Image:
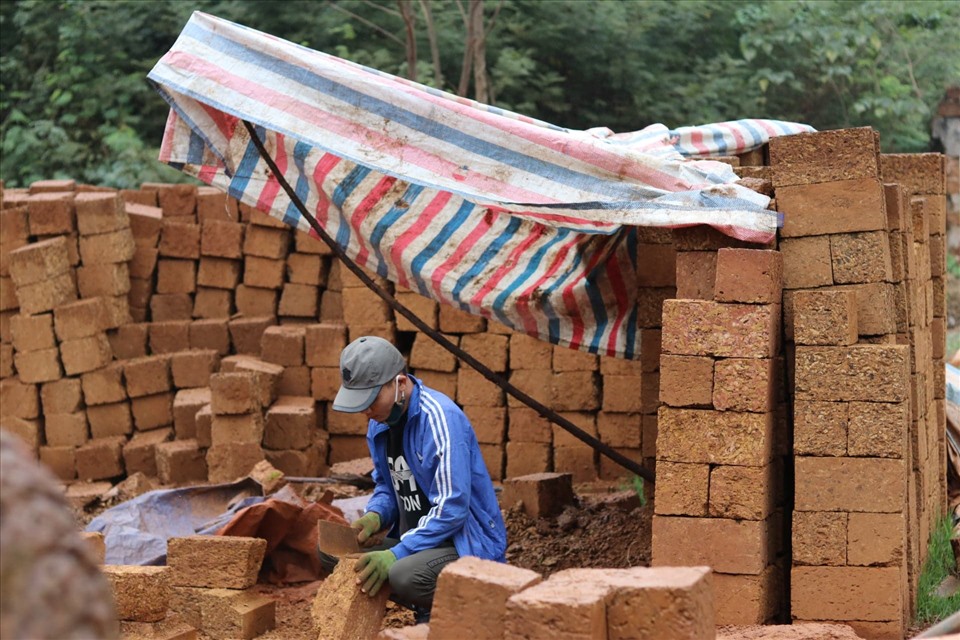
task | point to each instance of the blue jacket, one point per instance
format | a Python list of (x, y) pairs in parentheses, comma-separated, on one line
[(442, 452)]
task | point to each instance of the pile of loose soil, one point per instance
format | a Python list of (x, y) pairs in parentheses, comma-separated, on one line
[(603, 530)]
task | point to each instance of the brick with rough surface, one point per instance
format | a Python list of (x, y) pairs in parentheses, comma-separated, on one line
[(872, 485), (341, 611), (846, 593), (749, 275), (230, 614), (714, 437), (229, 562), (85, 354), (866, 372), (726, 545), (473, 593), (825, 318), (141, 594), (542, 494), (706, 328)]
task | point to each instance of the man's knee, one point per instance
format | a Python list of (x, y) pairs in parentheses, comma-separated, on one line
[(413, 579)]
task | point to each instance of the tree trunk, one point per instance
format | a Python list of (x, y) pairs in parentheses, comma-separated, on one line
[(464, 85), (409, 20), (434, 47), (478, 38)]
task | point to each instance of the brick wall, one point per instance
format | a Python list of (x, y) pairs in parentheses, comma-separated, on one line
[(134, 299)]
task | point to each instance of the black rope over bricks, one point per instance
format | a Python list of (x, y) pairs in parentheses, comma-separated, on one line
[(493, 377)]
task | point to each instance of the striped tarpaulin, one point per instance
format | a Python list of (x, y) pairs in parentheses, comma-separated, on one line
[(493, 212)]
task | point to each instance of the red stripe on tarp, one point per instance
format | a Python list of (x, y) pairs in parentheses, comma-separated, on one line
[(373, 197), (430, 212), (272, 187), (456, 256)]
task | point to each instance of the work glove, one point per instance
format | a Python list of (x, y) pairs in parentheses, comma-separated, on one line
[(374, 568), (367, 526)]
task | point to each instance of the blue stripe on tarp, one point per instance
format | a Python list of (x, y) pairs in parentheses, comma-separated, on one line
[(395, 213), (553, 318), (560, 280), (595, 296), (532, 266), (251, 157), (749, 126), (488, 254), (340, 195), (302, 189), (195, 151), (718, 138), (438, 241), (450, 135)]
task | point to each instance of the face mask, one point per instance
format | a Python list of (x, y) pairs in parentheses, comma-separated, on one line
[(396, 412)]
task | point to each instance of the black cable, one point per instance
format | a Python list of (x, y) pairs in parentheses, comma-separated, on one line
[(437, 337)]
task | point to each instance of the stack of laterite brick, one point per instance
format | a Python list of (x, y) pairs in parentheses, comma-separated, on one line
[(922, 181), (265, 246), (221, 254), (146, 222), (103, 247), (291, 439), (215, 286), (211, 584), (719, 492), (858, 304), (178, 249), (236, 430)]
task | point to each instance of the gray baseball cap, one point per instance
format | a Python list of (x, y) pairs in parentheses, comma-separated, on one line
[(366, 364)]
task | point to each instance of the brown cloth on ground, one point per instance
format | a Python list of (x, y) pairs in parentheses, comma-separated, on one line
[(289, 525)]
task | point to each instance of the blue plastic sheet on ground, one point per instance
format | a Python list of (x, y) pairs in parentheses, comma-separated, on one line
[(136, 531)]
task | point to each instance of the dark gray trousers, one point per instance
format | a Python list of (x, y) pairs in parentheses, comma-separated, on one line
[(413, 579)]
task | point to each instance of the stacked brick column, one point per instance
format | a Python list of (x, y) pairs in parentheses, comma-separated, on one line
[(719, 497), (221, 254), (306, 278), (858, 304), (921, 180), (237, 427), (146, 220), (851, 420), (178, 249), (530, 437), (265, 246)]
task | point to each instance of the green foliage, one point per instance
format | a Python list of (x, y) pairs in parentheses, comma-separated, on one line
[(636, 484), (953, 265), (74, 101), (940, 561)]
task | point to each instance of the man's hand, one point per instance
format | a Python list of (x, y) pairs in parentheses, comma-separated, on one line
[(374, 568), (367, 526)]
